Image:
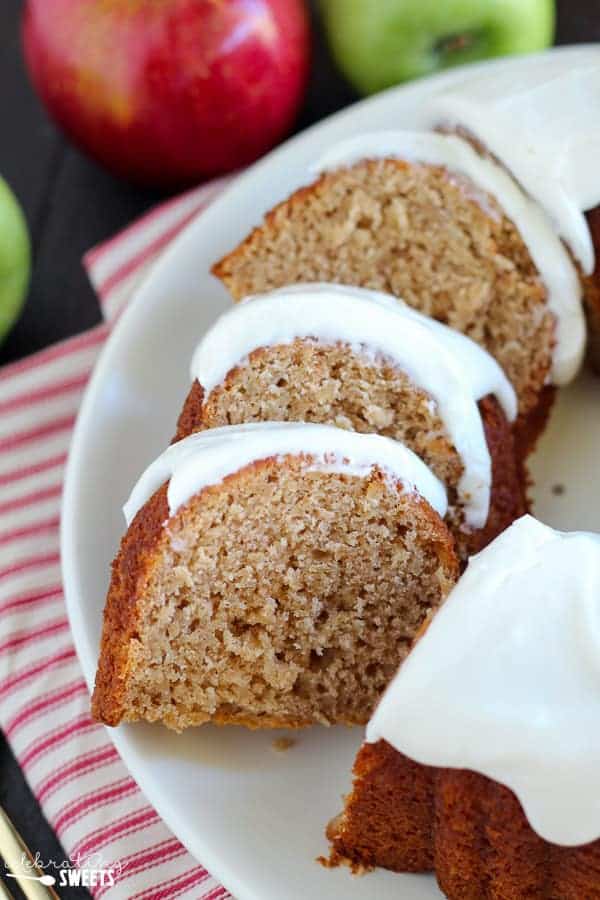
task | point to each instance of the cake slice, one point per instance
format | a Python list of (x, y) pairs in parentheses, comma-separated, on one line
[(271, 575), (541, 122), (482, 755), (427, 218), (360, 360)]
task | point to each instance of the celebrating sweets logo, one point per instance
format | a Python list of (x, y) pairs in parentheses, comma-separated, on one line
[(82, 871)]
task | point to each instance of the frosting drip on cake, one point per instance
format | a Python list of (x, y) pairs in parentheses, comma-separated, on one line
[(452, 369), (556, 269), (506, 679), (207, 457), (542, 121)]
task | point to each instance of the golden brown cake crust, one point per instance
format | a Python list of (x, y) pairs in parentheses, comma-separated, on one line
[(508, 500), (529, 429), (388, 818), (191, 418), (509, 480), (592, 291), (470, 830), (130, 570)]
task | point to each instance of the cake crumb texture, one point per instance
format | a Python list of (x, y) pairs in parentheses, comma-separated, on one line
[(305, 381), (417, 232), (282, 597)]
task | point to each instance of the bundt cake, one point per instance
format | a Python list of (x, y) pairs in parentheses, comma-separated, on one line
[(428, 218), (271, 575), (360, 360), (481, 758)]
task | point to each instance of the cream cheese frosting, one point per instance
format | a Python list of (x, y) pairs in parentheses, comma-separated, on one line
[(506, 679), (451, 368), (555, 267), (542, 121), (206, 458)]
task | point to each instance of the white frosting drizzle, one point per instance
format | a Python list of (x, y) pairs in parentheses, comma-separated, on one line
[(207, 457), (454, 370), (550, 257), (506, 680), (543, 123)]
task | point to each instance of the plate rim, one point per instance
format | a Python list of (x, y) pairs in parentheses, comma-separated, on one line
[(120, 334)]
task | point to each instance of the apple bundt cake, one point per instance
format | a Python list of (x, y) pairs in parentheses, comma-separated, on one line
[(429, 219), (271, 575), (482, 755), (358, 359)]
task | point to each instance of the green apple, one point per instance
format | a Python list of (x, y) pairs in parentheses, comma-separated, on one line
[(378, 43), (15, 258)]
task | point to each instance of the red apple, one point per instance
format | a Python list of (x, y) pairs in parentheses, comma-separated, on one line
[(170, 91)]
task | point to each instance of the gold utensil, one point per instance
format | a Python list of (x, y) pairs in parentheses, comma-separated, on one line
[(35, 884)]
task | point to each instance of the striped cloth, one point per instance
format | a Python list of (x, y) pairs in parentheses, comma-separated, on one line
[(92, 803)]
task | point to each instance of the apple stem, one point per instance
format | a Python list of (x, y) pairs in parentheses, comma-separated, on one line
[(455, 42)]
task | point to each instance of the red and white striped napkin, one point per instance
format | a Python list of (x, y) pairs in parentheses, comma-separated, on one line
[(86, 793)]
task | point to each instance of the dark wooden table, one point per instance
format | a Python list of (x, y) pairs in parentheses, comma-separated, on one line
[(71, 204)]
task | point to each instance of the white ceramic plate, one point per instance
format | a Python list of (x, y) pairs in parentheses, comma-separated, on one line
[(253, 816)]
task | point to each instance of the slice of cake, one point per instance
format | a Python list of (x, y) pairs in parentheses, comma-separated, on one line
[(482, 756), (271, 575), (360, 360), (427, 218), (541, 122)]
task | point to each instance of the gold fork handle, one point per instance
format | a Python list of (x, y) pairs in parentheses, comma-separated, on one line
[(12, 848), (5, 894)]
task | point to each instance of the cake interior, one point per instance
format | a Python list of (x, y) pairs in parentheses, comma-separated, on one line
[(339, 385), (282, 597), (418, 232), (307, 381)]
